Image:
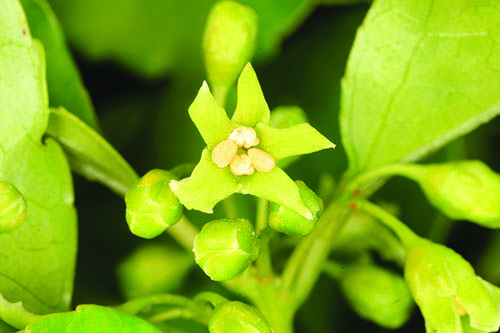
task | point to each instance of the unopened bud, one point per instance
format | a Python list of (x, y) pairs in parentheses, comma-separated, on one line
[(377, 294), (224, 153), (467, 190), (224, 248), (153, 269), (237, 317), (287, 221), (242, 165), (151, 205), (261, 160), (13, 208), (444, 284), (228, 43)]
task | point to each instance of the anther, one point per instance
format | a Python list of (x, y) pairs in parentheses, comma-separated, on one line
[(245, 137), (241, 165), (224, 153), (261, 160)]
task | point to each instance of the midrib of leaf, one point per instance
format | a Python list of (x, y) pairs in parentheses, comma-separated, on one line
[(387, 109)]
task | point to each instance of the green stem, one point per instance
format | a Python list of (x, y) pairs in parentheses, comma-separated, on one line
[(175, 313), (184, 233), (262, 205), (220, 94), (411, 171), (230, 208), (135, 306), (306, 263), (333, 269), (264, 262), (183, 308), (212, 298), (405, 234)]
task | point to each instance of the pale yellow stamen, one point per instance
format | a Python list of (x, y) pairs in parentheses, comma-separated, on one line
[(241, 165), (245, 137), (261, 160), (224, 153)]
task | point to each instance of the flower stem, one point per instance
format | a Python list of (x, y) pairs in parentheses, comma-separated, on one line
[(306, 263), (184, 233), (411, 171), (405, 234)]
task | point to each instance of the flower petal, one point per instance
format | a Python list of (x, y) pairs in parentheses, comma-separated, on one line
[(210, 118), (251, 107), (478, 302), (277, 187), (207, 185), (440, 314), (295, 140)]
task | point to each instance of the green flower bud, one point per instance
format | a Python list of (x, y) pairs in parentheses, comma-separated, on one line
[(151, 205), (228, 43), (287, 221), (237, 317), (377, 294), (224, 248), (153, 269), (445, 287), (13, 208), (467, 190)]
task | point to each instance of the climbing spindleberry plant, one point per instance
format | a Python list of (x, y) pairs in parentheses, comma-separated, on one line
[(420, 74)]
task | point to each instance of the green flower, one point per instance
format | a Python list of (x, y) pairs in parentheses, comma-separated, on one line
[(289, 222), (445, 288), (377, 294), (242, 152), (151, 207), (224, 248)]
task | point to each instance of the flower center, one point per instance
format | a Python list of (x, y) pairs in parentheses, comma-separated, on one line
[(245, 163)]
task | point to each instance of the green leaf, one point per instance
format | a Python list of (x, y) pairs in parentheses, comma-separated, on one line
[(89, 154), (63, 79), (210, 118), (91, 318), (295, 140), (207, 185), (277, 187), (36, 260), (252, 106), (420, 74), (22, 90)]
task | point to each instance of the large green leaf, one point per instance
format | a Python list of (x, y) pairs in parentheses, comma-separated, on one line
[(89, 154), (91, 318), (63, 79), (37, 259), (421, 73)]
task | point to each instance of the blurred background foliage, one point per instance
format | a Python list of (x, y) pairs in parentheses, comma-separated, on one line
[(141, 62)]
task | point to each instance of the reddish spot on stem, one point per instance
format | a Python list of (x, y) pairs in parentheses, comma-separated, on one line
[(24, 32), (352, 205), (356, 192)]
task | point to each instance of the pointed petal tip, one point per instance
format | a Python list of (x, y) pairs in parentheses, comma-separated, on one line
[(204, 86)]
